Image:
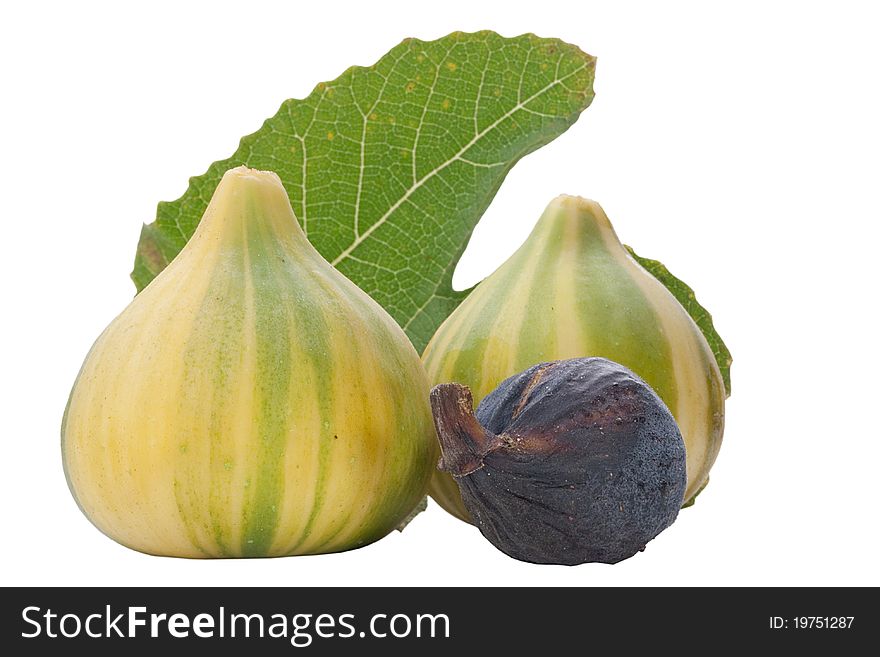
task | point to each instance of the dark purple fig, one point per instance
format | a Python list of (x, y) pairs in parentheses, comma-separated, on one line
[(565, 463)]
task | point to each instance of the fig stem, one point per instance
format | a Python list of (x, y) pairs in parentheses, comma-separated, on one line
[(463, 440)]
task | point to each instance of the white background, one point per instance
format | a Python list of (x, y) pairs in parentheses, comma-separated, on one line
[(740, 146)]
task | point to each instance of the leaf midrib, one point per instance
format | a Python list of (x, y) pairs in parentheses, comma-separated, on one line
[(359, 239)]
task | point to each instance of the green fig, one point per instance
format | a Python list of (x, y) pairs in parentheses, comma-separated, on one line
[(573, 290), (251, 401)]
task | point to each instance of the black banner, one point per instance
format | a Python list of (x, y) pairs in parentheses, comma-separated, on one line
[(281, 621)]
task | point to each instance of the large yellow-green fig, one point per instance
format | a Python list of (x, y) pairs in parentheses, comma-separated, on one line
[(251, 401), (573, 290)]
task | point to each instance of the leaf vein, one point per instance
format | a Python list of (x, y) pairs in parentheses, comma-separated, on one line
[(416, 186)]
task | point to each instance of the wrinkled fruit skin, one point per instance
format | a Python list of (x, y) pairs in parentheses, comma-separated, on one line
[(250, 401), (570, 291), (568, 462)]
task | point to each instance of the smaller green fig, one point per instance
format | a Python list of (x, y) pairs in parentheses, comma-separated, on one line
[(568, 462), (573, 290)]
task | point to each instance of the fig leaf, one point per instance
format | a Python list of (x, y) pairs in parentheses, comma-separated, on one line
[(389, 167)]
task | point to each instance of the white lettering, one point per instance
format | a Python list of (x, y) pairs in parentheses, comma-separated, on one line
[(77, 624), (49, 616), (203, 626), (154, 623), (322, 621), (433, 618), (373, 626), (134, 621), (24, 617), (89, 626), (394, 620), (280, 624), (178, 626), (298, 634), (343, 622), (112, 625), (247, 623)]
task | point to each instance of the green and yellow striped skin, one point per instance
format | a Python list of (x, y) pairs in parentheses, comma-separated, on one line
[(251, 401), (572, 290)]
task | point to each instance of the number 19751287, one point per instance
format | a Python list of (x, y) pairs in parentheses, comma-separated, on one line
[(812, 622)]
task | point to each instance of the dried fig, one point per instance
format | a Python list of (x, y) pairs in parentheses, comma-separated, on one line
[(565, 463)]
